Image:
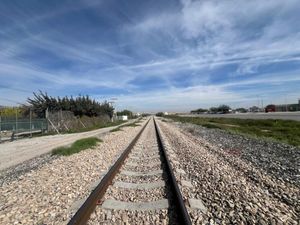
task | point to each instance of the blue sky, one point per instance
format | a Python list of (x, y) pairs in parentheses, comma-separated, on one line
[(152, 55)]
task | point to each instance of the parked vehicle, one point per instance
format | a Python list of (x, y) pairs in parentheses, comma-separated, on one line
[(270, 108)]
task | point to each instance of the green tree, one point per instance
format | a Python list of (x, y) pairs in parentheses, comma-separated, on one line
[(213, 109), (241, 110), (200, 110), (82, 105), (159, 114), (223, 109), (10, 111)]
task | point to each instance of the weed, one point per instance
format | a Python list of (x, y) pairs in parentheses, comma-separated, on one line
[(77, 146), (134, 124), (115, 129)]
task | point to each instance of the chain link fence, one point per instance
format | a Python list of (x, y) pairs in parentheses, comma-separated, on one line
[(12, 128), (17, 126), (65, 121)]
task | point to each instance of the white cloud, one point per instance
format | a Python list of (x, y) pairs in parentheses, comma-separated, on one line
[(185, 99), (223, 30), (193, 40), (181, 99), (203, 18)]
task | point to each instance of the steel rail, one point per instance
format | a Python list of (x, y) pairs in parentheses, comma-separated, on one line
[(183, 213), (83, 214)]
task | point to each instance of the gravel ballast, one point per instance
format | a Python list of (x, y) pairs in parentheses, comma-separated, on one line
[(233, 189), (278, 159), (46, 193), (146, 147)]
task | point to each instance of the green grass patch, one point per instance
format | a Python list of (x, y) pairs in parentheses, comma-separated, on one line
[(210, 125), (134, 124), (77, 146), (286, 131)]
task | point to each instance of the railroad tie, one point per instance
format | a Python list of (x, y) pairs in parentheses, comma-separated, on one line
[(134, 173), (137, 206), (142, 186)]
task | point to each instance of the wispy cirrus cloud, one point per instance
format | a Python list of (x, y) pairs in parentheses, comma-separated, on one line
[(149, 54)]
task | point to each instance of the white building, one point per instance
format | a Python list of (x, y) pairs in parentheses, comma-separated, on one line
[(123, 118)]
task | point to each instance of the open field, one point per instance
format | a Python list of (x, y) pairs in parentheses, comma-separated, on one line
[(273, 115), (286, 131)]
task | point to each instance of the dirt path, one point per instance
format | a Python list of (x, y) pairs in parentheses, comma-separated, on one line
[(13, 153)]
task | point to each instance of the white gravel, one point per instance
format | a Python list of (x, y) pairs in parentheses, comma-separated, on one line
[(232, 189), (46, 194)]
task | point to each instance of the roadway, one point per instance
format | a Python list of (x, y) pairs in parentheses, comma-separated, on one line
[(273, 115)]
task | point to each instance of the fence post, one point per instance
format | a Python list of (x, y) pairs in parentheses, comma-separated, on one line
[(16, 122), (46, 115), (30, 122)]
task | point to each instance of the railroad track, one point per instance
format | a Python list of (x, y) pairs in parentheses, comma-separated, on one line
[(140, 188)]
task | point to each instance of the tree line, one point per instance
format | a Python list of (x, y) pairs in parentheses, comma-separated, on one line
[(81, 105), (219, 109)]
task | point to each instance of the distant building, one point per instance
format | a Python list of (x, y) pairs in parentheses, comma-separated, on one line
[(283, 107), (123, 118), (270, 108), (166, 113)]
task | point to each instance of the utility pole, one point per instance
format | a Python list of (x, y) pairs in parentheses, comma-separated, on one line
[(111, 104), (16, 120), (112, 101)]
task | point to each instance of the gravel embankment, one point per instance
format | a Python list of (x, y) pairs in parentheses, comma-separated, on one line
[(280, 160), (46, 189), (14, 172), (234, 189)]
